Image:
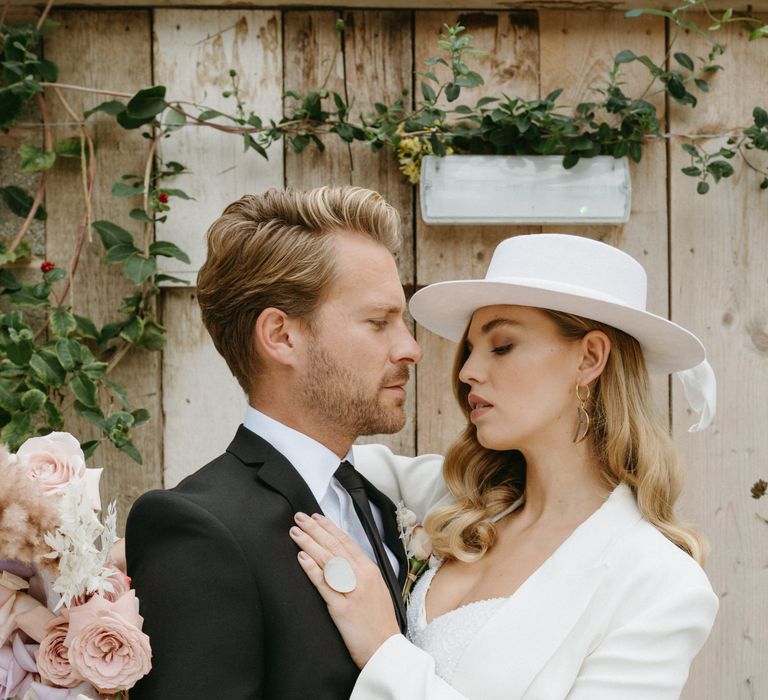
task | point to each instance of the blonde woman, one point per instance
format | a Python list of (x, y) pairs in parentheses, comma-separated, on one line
[(562, 570)]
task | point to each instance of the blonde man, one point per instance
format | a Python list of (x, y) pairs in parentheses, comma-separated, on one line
[(301, 296)]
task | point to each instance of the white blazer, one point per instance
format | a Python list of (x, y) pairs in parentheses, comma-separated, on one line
[(618, 612)]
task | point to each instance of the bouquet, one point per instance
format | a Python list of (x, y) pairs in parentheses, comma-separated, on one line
[(69, 622)]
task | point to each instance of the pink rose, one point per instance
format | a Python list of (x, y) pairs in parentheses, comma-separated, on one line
[(53, 460), (420, 544), (17, 668), (53, 656), (106, 644)]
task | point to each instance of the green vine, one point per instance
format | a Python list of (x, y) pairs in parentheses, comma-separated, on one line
[(52, 359)]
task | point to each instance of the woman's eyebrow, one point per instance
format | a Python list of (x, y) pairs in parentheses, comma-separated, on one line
[(496, 322)]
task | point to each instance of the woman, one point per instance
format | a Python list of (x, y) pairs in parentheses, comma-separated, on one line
[(563, 571)]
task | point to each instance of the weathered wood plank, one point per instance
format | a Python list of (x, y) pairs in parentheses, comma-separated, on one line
[(194, 50), (577, 58), (756, 5), (719, 265), (453, 252), (109, 50), (373, 66)]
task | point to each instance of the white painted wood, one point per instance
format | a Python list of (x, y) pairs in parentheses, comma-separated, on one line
[(203, 402), (194, 51)]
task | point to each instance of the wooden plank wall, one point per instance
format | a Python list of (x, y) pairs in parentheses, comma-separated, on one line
[(706, 256)]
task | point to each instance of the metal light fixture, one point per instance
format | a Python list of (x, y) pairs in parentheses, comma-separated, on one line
[(458, 189)]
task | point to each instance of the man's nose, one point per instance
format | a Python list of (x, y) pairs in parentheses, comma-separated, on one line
[(407, 349)]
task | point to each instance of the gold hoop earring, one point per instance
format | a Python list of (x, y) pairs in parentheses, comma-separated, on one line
[(582, 424)]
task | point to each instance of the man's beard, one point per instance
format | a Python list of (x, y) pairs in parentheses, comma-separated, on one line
[(345, 403)]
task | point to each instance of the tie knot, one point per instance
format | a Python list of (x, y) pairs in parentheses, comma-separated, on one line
[(349, 477)]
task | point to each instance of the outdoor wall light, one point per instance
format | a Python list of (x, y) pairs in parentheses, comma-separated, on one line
[(464, 189)]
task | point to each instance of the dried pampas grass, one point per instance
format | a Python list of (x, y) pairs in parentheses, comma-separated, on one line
[(26, 514)]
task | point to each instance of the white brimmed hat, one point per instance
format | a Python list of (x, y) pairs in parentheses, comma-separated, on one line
[(580, 276)]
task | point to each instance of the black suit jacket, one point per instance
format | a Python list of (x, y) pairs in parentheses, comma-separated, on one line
[(229, 612)]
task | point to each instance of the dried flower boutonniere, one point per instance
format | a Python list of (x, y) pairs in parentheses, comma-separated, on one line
[(418, 546)]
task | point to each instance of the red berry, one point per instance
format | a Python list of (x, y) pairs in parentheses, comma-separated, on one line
[(47, 266), (163, 197)]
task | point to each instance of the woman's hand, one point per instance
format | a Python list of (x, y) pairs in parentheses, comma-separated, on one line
[(365, 616)]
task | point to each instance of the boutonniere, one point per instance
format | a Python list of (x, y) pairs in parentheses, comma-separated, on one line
[(418, 546)]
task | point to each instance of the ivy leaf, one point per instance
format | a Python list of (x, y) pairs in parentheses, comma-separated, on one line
[(147, 103), (68, 353), (17, 430), (34, 160), (112, 234), (95, 370), (33, 400), (112, 107), (47, 367), (86, 327), (84, 390), (20, 203), (139, 268), (89, 447), (169, 250), (62, 322), (684, 60)]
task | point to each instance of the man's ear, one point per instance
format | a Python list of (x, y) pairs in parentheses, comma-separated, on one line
[(596, 348), (276, 336)]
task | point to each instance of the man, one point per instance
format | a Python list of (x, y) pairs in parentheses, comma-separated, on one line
[(301, 296)]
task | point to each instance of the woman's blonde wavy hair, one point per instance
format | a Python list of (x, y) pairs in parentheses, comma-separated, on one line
[(627, 437)]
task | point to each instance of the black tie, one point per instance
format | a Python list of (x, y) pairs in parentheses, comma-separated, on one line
[(351, 480)]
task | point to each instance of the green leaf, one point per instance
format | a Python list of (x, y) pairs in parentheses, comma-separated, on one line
[(94, 415), (34, 160), (10, 108), (121, 189), (625, 56), (692, 171), (55, 275), (140, 416), (684, 60), (147, 103), (9, 400), (208, 114), (33, 400), (131, 451), (17, 430), (181, 194), (690, 149), (140, 215), (84, 390), (118, 391), (89, 447), (62, 322), (153, 336), (570, 160), (138, 268), (169, 250), (112, 107), (68, 352), (86, 327), (95, 370), (452, 91), (702, 187), (299, 142), (170, 278), (428, 92), (68, 148), (760, 116), (112, 234), (703, 85), (53, 416), (120, 253), (133, 329), (174, 120), (20, 203), (47, 367)]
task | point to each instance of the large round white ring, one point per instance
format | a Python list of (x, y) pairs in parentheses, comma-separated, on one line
[(338, 575)]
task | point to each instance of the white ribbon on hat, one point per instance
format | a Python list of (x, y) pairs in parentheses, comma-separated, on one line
[(700, 388)]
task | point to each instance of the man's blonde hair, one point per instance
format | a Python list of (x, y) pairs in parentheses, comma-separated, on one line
[(274, 250)]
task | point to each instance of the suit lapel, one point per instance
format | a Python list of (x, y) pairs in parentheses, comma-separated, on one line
[(510, 651), (274, 470)]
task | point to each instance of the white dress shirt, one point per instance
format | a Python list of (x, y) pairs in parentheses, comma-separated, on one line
[(316, 464)]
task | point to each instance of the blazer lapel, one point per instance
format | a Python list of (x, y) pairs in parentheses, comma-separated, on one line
[(274, 470), (516, 644)]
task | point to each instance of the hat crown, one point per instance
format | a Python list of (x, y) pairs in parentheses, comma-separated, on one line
[(591, 268)]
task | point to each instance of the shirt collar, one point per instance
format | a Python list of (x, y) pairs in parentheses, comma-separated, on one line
[(314, 462)]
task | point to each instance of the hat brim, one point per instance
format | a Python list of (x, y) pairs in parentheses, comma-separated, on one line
[(446, 308)]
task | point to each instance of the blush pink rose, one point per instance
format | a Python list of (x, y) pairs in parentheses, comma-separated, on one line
[(106, 644), (53, 460), (53, 656), (420, 545)]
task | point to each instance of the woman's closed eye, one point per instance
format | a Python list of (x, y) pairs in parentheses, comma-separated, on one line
[(502, 349)]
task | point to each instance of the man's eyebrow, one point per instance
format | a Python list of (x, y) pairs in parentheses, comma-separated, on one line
[(496, 322), (384, 308)]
